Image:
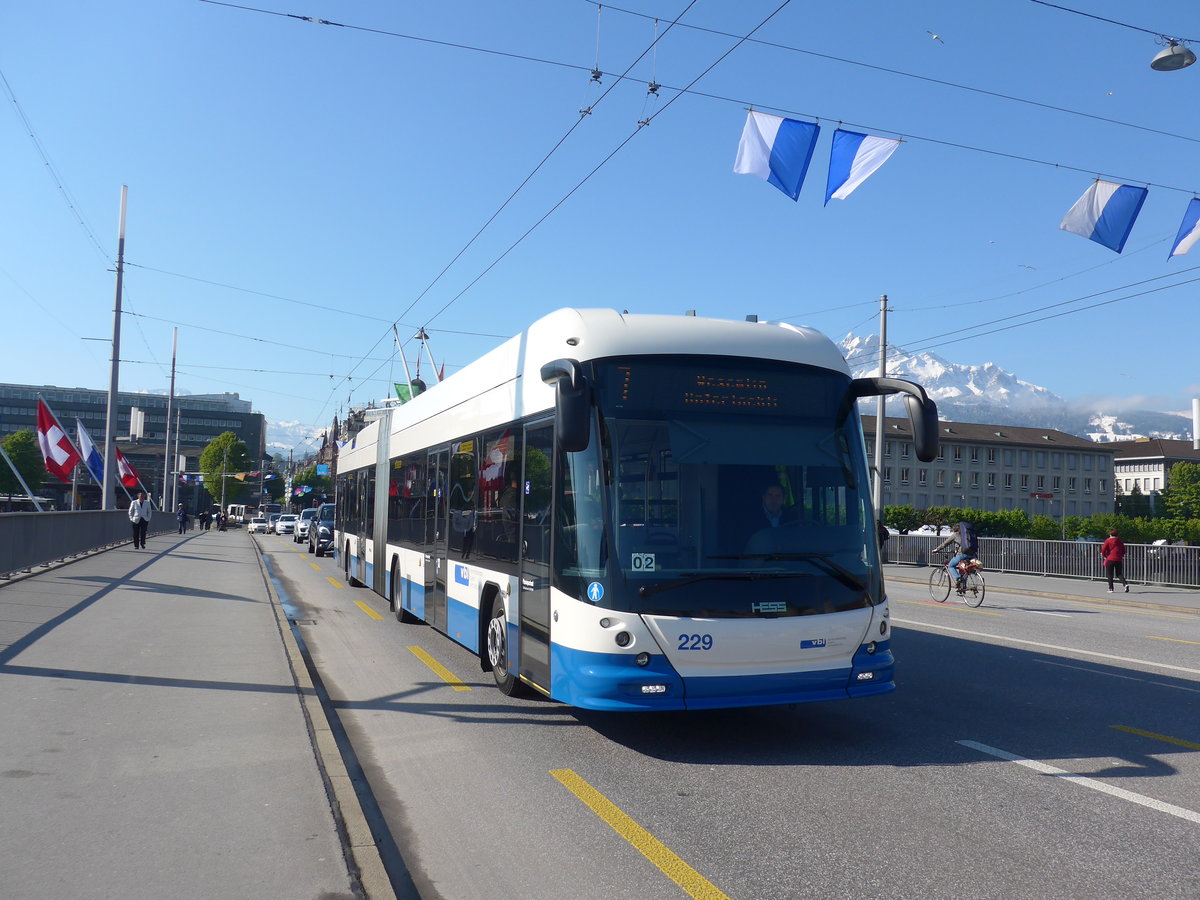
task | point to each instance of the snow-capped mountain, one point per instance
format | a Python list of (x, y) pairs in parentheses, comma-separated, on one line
[(989, 394), (295, 436)]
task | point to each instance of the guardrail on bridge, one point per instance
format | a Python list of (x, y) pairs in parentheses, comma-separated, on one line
[(29, 539), (1175, 566)]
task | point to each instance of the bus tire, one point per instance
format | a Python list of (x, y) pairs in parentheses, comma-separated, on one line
[(402, 614), (497, 650), (350, 579)]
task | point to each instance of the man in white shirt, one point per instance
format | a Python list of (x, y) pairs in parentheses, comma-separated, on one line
[(140, 511)]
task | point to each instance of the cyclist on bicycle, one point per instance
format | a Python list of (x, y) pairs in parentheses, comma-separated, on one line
[(968, 547)]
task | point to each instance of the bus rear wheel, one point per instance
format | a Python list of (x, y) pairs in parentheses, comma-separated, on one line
[(497, 651)]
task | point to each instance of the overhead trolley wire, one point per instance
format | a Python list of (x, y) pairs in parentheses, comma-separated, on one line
[(582, 115), (938, 81)]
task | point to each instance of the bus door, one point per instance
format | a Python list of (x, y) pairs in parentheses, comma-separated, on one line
[(435, 540), (363, 516), (536, 506)]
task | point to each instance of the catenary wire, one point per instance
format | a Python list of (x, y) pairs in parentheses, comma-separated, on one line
[(1013, 156), (1088, 15), (938, 81)]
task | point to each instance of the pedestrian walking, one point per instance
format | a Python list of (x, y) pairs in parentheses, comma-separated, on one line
[(140, 511), (1112, 551), (182, 517)]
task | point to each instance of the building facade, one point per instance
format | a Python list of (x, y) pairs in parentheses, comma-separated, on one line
[(996, 467), (201, 417), (1145, 465)]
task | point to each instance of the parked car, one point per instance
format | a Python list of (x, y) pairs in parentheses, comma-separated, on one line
[(286, 523), (320, 530), (301, 532), (258, 525)]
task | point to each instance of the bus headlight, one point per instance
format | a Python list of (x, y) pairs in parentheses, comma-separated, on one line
[(654, 688), (642, 659), (624, 638), (871, 648), (866, 676)]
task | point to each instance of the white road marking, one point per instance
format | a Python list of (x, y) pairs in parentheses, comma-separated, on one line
[(1042, 612), (1162, 684), (1084, 781), (1011, 640)]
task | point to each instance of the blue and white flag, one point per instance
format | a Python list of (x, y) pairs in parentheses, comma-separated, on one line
[(1105, 213), (855, 158), (776, 150), (1189, 230), (91, 456)]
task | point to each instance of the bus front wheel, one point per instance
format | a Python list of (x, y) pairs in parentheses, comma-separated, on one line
[(497, 651)]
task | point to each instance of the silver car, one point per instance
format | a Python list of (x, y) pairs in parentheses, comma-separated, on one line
[(301, 532)]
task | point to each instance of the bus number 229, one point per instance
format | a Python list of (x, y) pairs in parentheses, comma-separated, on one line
[(695, 642)]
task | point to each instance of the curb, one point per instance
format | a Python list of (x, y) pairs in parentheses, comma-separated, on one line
[(362, 852), (1048, 595)]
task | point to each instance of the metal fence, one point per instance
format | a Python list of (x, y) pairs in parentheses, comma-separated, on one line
[(1176, 566), (29, 539)]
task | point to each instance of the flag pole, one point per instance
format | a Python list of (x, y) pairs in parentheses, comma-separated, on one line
[(13, 466), (110, 418), (167, 498), (880, 414)]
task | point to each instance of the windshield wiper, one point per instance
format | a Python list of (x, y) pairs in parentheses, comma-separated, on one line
[(649, 590), (820, 560)]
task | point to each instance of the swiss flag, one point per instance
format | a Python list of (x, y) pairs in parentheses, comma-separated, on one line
[(58, 452), (129, 475)]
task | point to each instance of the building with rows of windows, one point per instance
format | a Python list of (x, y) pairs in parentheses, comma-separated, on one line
[(994, 468), (201, 417), (1144, 465)]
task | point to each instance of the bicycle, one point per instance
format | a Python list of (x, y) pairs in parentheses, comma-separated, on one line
[(971, 586)]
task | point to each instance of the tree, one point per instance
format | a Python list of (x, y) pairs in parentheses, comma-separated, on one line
[(1182, 495), (224, 457), (1133, 504), (22, 449), (903, 518)]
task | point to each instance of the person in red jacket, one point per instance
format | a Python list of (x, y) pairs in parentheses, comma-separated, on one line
[(1112, 552)]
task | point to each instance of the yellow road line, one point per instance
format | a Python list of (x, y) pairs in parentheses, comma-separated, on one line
[(692, 882), (370, 612), (334, 581), (1155, 637), (315, 566), (1158, 737), (442, 672)]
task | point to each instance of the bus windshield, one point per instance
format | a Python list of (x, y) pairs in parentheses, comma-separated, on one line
[(730, 489)]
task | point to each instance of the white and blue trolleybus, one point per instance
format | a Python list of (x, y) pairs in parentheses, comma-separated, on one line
[(636, 512)]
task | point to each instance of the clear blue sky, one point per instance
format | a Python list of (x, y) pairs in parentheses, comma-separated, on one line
[(294, 187)]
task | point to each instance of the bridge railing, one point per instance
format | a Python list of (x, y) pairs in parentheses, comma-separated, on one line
[(1175, 566), (29, 539)]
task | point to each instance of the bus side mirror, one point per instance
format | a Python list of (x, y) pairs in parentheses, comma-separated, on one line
[(922, 412), (571, 403)]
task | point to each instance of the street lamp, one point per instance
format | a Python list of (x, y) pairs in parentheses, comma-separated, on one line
[(1173, 57)]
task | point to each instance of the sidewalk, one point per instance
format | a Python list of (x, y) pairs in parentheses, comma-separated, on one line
[(162, 737), (1144, 596)]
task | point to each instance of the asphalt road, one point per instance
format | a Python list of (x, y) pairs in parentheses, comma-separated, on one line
[(1034, 748)]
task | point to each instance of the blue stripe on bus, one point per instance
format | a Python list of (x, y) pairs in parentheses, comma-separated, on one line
[(462, 619), (613, 681)]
